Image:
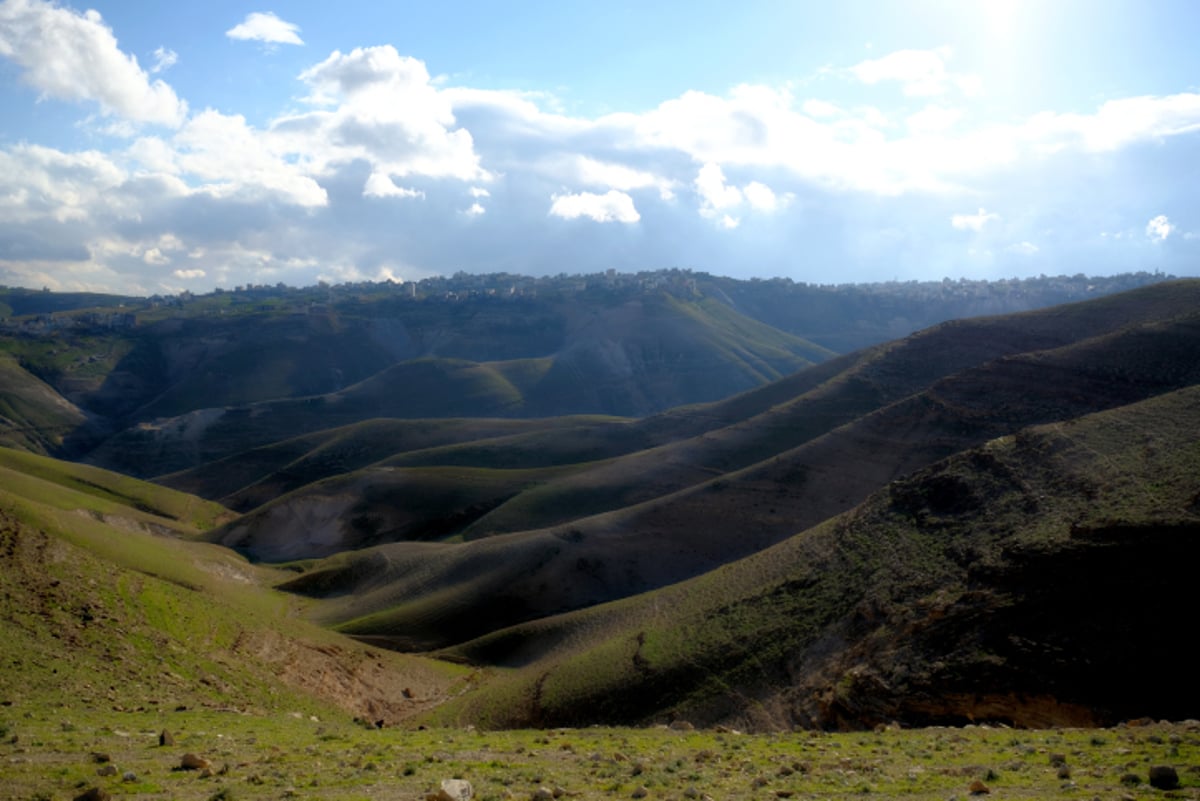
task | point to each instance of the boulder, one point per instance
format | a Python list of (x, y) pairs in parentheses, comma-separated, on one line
[(1164, 777), (190, 761), (454, 790)]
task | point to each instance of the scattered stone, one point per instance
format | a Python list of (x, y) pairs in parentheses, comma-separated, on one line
[(205, 773), (101, 758), (93, 794), (190, 761), (454, 790), (558, 792), (1131, 779), (107, 770), (1064, 772), (165, 739), (978, 788), (682, 725), (640, 792), (543, 794), (691, 793), (129, 776), (1164, 777), (1058, 760)]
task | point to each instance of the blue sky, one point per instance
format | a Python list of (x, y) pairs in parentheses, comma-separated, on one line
[(155, 147)]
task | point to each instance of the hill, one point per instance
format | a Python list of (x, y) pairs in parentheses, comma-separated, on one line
[(111, 601), (1038, 580), (621, 526)]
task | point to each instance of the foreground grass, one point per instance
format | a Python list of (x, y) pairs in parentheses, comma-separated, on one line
[(60, 752)]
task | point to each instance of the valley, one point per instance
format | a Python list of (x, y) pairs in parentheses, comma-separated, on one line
[(211, 522)]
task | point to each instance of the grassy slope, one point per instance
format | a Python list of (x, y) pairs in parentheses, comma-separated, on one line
[(32, 415), (631, 358), (683, 532), (925, 603), (109, 602)]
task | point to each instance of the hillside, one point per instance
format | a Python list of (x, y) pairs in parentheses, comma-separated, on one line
[(1038, 580), (629, 524), (949, 527), (110, 601)]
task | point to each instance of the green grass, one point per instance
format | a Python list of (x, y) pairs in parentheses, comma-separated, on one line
[(270, 755)]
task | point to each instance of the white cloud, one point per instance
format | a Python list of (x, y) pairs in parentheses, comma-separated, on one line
[(164, 59), (715, 194), (380, 185), (70, 56), (235, 160), (386, 112), (618, 176), (921, 73), (475, 210), (1116, 124), (265, 27), (1023, 248), (933, 120), (718, 198), (189, 275), (1159, 228), (478, 191), (820, 108), (973, 222), (612, 206)]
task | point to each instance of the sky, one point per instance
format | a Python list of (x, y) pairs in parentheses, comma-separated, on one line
[(150, 147)]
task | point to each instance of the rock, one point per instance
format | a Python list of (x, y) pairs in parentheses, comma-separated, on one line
[(455, 790), (1164, 777), (165, 738), (107, 770), (1058, 760), (543, 794), (192, 762), (1064, 772), (640, 792), (93, 794), (682, 725), (129, 776), (978, 788), (99, 757)]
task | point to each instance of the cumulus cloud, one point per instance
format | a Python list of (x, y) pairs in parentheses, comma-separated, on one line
[(1023, 248), (376, 106), (189, 275), (921, 73), (71, 56), (719, 198), (380, 185), (1159, 228), (612, 206), (973, 222), (264, 26)]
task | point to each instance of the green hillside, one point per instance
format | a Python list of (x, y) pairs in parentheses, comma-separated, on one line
[(111, 603), (990, 586), (626, 525)]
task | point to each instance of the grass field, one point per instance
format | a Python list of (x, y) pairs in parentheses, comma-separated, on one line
[(59, 752)]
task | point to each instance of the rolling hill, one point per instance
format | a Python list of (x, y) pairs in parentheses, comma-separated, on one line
[(608, 529), (991, 519)]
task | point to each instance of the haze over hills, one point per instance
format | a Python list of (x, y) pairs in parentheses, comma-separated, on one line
[(877, 535)]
